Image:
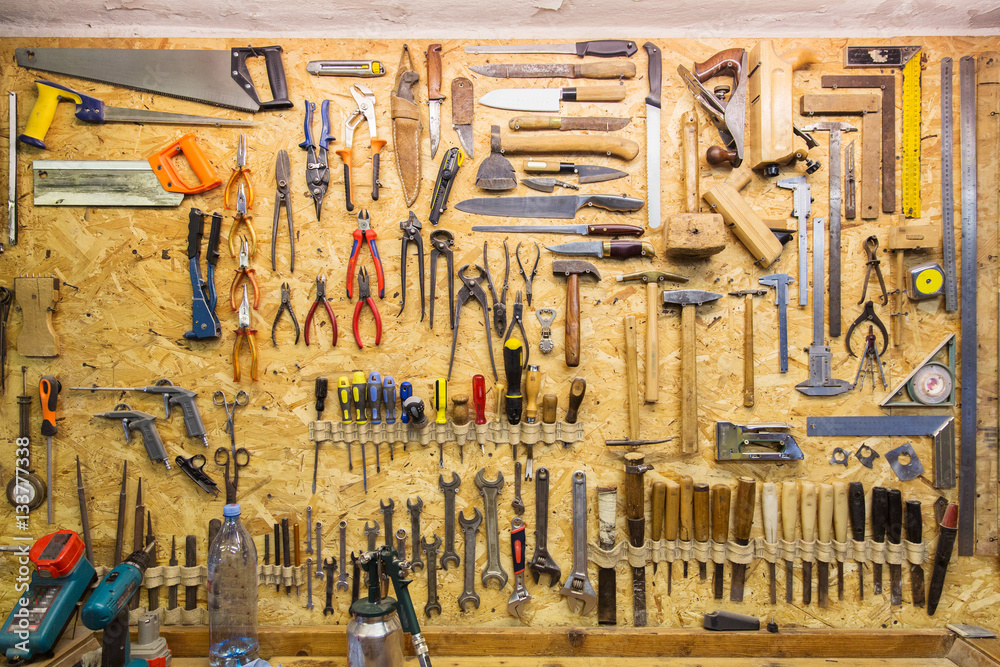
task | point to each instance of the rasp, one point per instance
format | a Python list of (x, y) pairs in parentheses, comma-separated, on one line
[(620, 69), (601, 48), (561, 206), (653, 135)]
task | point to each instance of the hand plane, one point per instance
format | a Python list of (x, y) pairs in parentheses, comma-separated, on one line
[(726, 105)]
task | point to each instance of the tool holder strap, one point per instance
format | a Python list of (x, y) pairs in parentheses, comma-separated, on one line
[(499, 433), (841, 551), (702, 551), (607, 559), (877, 552), (663, 550), (916, 552), (275, 574), (769, 551), (718, 551), (166, 575), (638, 556), (859, 550), (895, 554), (807, 550), (788, 549), (741, 553), (176, 616), (824, 552)]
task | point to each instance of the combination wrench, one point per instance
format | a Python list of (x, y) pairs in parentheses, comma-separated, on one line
[(309, 584), (342, 582), (401, 543), (430, 550), (319, 549), (387, 511), (330, 565), (541, 562), (371, 532), (577, 585), (309, 538), (489, 491), (469, 529), (449, 489), (417, 563)]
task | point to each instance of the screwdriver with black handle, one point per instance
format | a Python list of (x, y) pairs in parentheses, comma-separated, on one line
[(856, 511), (321, 391), (359, 388), (48, 391), (914, 534), (513, 356)]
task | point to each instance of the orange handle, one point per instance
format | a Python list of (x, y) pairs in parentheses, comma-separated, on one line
[(166, 172)]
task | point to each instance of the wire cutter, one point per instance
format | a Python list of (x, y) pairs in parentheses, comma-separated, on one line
[(240, 172), (517, 317), (365, 297), (286, 304), (499, 304), (871, 250), (441, 243), (366, 110), (241, 216), (411, 234), (321, 298), (364, 234), (472, 288), (244, 331), (283, 198), (524, 274), (244, 272), (317, 165)]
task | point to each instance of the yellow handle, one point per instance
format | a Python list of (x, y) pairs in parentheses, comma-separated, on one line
[(44, 111), (441, 400)]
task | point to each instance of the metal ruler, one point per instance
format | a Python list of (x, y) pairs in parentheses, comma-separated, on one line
[(12, 170), (911, 137), (948, 190), (967, 465)]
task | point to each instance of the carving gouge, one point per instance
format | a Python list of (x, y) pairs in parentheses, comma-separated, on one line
[(840, 511), (880, 509), (769, 512), (914, 533), (825, 500), (789, 515), (671, 513), (808, 516), (721, 494), (686, 523), (702, 522)]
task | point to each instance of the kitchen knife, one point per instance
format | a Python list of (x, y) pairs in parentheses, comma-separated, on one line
[(584, 230), (622, 69), (653, 135), (561, 206), (602, 249), (547, 99), (586, 173), (601, 48)]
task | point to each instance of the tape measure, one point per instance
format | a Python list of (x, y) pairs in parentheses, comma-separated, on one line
[(925, 281), (911, 137)]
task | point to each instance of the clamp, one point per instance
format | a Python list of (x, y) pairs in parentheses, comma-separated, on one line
[(240, 172), (286, 304), (441, 244), (499, 304), (411, 234), (471, 288), (871, 250), (283, 198), (241, 216), (317, 164), (365, 297), (321, 298), (243, 331), (868, 315), (517, 318), (524, 274), (244, 272), (366, 110), (365, 234)]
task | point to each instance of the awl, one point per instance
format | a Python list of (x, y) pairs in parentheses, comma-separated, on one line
[(623, 69), (561, 206), (584, 230), (92, 110), (601, 48), (602, 249), (548, 99), (586, 173)]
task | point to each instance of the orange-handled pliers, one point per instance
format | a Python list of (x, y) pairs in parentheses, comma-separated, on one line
[(244, 272), (321, 298), (241, 216), (365, 297), (365, 111), (244, 331), (240, 171), (364, 234)]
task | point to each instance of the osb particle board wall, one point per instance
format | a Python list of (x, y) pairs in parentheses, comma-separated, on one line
[(125, 306)]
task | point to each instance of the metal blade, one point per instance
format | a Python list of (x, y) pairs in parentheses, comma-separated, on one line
[(589, 173), (464, 133), (522, 48), (653, 166), (533, 229), (123, 115), (12, 168), (581, 248), (562, 207), (435, 115), (527, 71), (523, 99), (99, 183), (197, 75)]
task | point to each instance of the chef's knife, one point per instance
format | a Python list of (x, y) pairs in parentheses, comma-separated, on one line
[(601, 249), (584, 230), (561, 206), (601, 48), (547, 99), (621, 69)]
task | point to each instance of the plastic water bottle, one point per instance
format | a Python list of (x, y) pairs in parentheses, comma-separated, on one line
[(232, 594)]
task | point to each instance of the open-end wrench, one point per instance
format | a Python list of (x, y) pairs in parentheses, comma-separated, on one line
[(517, 503), (541, 562), (342, 581), (355, 578), (577, 585), (330, 565), (387, 510), (430, 550), (309, 524), (319, 549), (489, 491), (469, 529), (371, 532), (401, 543), (449, 489), (520, 597), (416, 563), (309, 584)]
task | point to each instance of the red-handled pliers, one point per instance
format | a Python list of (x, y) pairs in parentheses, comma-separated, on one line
[(364, 296), (321, 298), (363, 234)]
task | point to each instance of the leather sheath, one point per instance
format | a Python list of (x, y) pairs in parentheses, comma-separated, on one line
[(406, 127)]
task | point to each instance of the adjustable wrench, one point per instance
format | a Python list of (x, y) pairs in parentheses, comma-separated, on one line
[(541, 562), (329, 565), (449, 489), (309, 584), (387, 510), (430, 549), (577, 585), (489, 491), (417, 563), (520, 596), (469, 529), (319, 549), (342, 582)]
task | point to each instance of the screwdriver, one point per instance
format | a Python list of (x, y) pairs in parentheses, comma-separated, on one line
[(344, 397), (48, 391), (513, 356), (479, 403), (389, 406), (441, 405), (405, 391), (358, 398), (532, 385), (374, 408), (321, 389)]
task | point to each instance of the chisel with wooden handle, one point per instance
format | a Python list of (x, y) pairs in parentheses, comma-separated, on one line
[(702, 522), (789, 516), (635, 516), (914, 534), (856, 509), (840, 511), (880, 508), (190, 560), (671, 514), (769, 513), (825, 501), (746, 490), (607, 578), (659, 497), (894, 532), (686, 531), (720, 531), (808, 516)]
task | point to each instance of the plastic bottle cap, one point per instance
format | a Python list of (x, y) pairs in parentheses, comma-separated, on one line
[(231, 510)]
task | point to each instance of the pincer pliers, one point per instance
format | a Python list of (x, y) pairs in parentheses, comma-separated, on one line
[(317, 165), (365, 111), (411, 234), (286, 304), (472, 288), (364, 234), (365, 297), (321, 298)]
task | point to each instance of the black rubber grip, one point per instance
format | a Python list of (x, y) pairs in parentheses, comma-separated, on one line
[(196, 231), (375, 165), (347, 187), (214, 237), (856, 510), (880, 509), (655, 73), (914, 522), (275, 75), (895, 516)]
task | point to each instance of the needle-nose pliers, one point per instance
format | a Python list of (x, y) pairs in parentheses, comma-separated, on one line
[(240, 173), (243, 331), (244, 273)]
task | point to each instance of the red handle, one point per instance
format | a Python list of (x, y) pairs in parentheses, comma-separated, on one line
[(479, 397)]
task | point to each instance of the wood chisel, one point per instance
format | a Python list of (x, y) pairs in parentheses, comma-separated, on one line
[(702, 522), (286, 549), (789, 517), (671, 514), (746, 490), (658, 499), (721, 494), (856, 510), (769, 513), (607, 580), (894, 531), (277, 555), (635, 516), (686, 521), (824, 521), (840, 512), (914, 534), (138, 524), (190, 560), (879, 510), (807, 507), (172, 590)]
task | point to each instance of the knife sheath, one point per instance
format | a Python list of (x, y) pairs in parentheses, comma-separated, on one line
[(607, 581), (626, 149), (564, 123), (406, 127)]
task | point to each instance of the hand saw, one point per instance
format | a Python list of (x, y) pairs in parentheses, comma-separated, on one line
[(220, 78)]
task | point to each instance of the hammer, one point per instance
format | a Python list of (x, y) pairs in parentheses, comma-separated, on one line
[(688, 299), (652, 279), (748, 385), (572, 269)]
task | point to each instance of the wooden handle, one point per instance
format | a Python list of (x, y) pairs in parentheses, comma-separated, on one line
[(687, 508), (720, 513), (825, 520), (799, 58), (576, 392), (632, 376), (659, 499), (702, 513), (544, 166), (725, 199), (532, 385), (635, 498), (724, 62), (652, 345), (37, 297), (572, 341), (740, 178), (550, 405), (717, 156), (609, 69), (536, 123), (689, 382), (607, 510), (461, 101), (619, 147), (748, 379), (600, 93), (746, 489), (689, 162), (460, 410), (434, 72), (769, 510), (808, 511), (499, 391), (789, 510), (840, 511), (672, 509)]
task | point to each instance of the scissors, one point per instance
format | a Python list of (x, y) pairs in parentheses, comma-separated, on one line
[(240, 457)]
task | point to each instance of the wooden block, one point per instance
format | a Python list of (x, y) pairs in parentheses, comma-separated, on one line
[(726, 200), (694, 235), (37, 297), (914, 237)]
